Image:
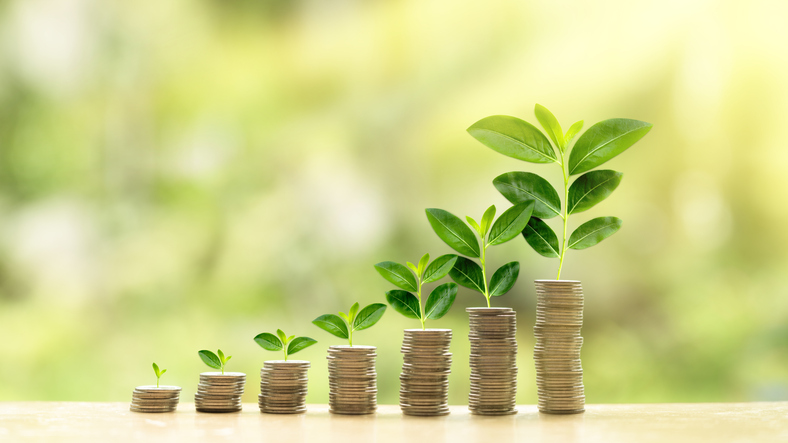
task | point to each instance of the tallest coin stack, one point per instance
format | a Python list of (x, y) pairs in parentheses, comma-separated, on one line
[(559, 372)]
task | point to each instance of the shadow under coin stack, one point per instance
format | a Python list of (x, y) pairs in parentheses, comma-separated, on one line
[(219, 392), (352, 380), (559, 372), (155, 399), (283, 387), (424, 382), (493, 361)]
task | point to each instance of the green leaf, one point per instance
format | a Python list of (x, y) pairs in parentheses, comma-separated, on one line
[(514, 138), (591, 188), (397, 274), (162, 372), (210, 359), (227, 359), (474, 225), (345, 317), (351, 314), (604, 141), (269, 342), (289, 339), (487, 219), (331, 324), (368, 316), (404, 302), (299, 344), (467, 273), (541, 237), (413, 267), (423, 264), (440, 300), (594, 231), (221, 356), (156, 370), (511, 223), (572, 132), (439, 268), (518, 187), (453, 232), (550, 125), (504, 278), (282, 336)]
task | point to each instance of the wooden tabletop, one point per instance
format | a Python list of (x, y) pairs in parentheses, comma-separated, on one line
[(672, 423)]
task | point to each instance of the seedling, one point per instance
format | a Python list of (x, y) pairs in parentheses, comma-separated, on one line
[(281, 342), (411, 280), (158, 372), (344, 325), (519, 139), (462, 239), (213, 360)]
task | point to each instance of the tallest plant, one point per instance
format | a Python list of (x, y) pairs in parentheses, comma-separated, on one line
[(519, 139)]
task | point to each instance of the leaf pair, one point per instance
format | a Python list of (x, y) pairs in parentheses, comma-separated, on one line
[(354, 320), (213, 360), (402, 277), (158, 372), (461, 238), (281, 342), (438, 303), (469, 274)]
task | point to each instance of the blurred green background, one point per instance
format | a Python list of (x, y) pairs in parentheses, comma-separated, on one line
[(183, 175)]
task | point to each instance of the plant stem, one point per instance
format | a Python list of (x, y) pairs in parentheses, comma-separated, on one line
[(421, 307), (484, 272), (157, 382), (350, 335), (565, 216)]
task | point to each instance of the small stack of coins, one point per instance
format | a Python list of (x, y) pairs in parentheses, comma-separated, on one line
[(155, 398), (559, 372), (219, 392), (493, 361), (424, 382), (283, 387), (352, 380)]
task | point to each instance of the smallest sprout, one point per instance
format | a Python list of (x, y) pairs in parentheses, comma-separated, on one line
[(159, 373)]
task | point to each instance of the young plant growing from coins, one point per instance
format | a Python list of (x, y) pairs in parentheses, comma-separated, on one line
[(455, 233), (159, 373), (603, 141), (213, 360), (411, 280), (281, 342), (344, 325)]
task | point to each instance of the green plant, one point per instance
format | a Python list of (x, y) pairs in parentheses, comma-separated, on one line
[(455, 233), (281, 342), (213, 360), (354, 320), (411, 280), (158, 372), (519, 139)]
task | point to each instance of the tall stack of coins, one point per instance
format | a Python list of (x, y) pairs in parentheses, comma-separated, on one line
[(352, 380), (493, 361), (559, 372), (219, 392), (424, 382), (155, 398), (283, 387)]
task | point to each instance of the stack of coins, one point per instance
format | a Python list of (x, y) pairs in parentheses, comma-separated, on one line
[(493, 361), (559, 373), (352, 380), (219, 392), (424, 382), (283, 387), (155, 398)]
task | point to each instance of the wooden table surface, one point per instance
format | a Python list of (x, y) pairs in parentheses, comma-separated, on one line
[(672, 423)]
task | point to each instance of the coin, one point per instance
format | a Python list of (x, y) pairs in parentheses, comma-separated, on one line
[(493, 361), (155, 399), (217, 392), (424, 381), (352, 379)]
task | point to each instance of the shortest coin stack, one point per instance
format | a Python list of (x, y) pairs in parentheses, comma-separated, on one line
[(424, 382), (155, 399), (219, 392), (352, 380), (283, 387)]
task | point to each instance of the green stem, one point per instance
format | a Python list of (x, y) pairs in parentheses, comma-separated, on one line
[(484, 272), (157, 382), (565, 216), (421, 307), (350, 335)]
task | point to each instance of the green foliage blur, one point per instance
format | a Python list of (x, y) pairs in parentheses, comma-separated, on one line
[(182, 175)]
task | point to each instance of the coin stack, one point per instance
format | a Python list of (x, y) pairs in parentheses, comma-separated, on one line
[(155, 398), (424, 382), (283, 387), (559, 373), (352, 380), (493, 361), (219, 392)]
